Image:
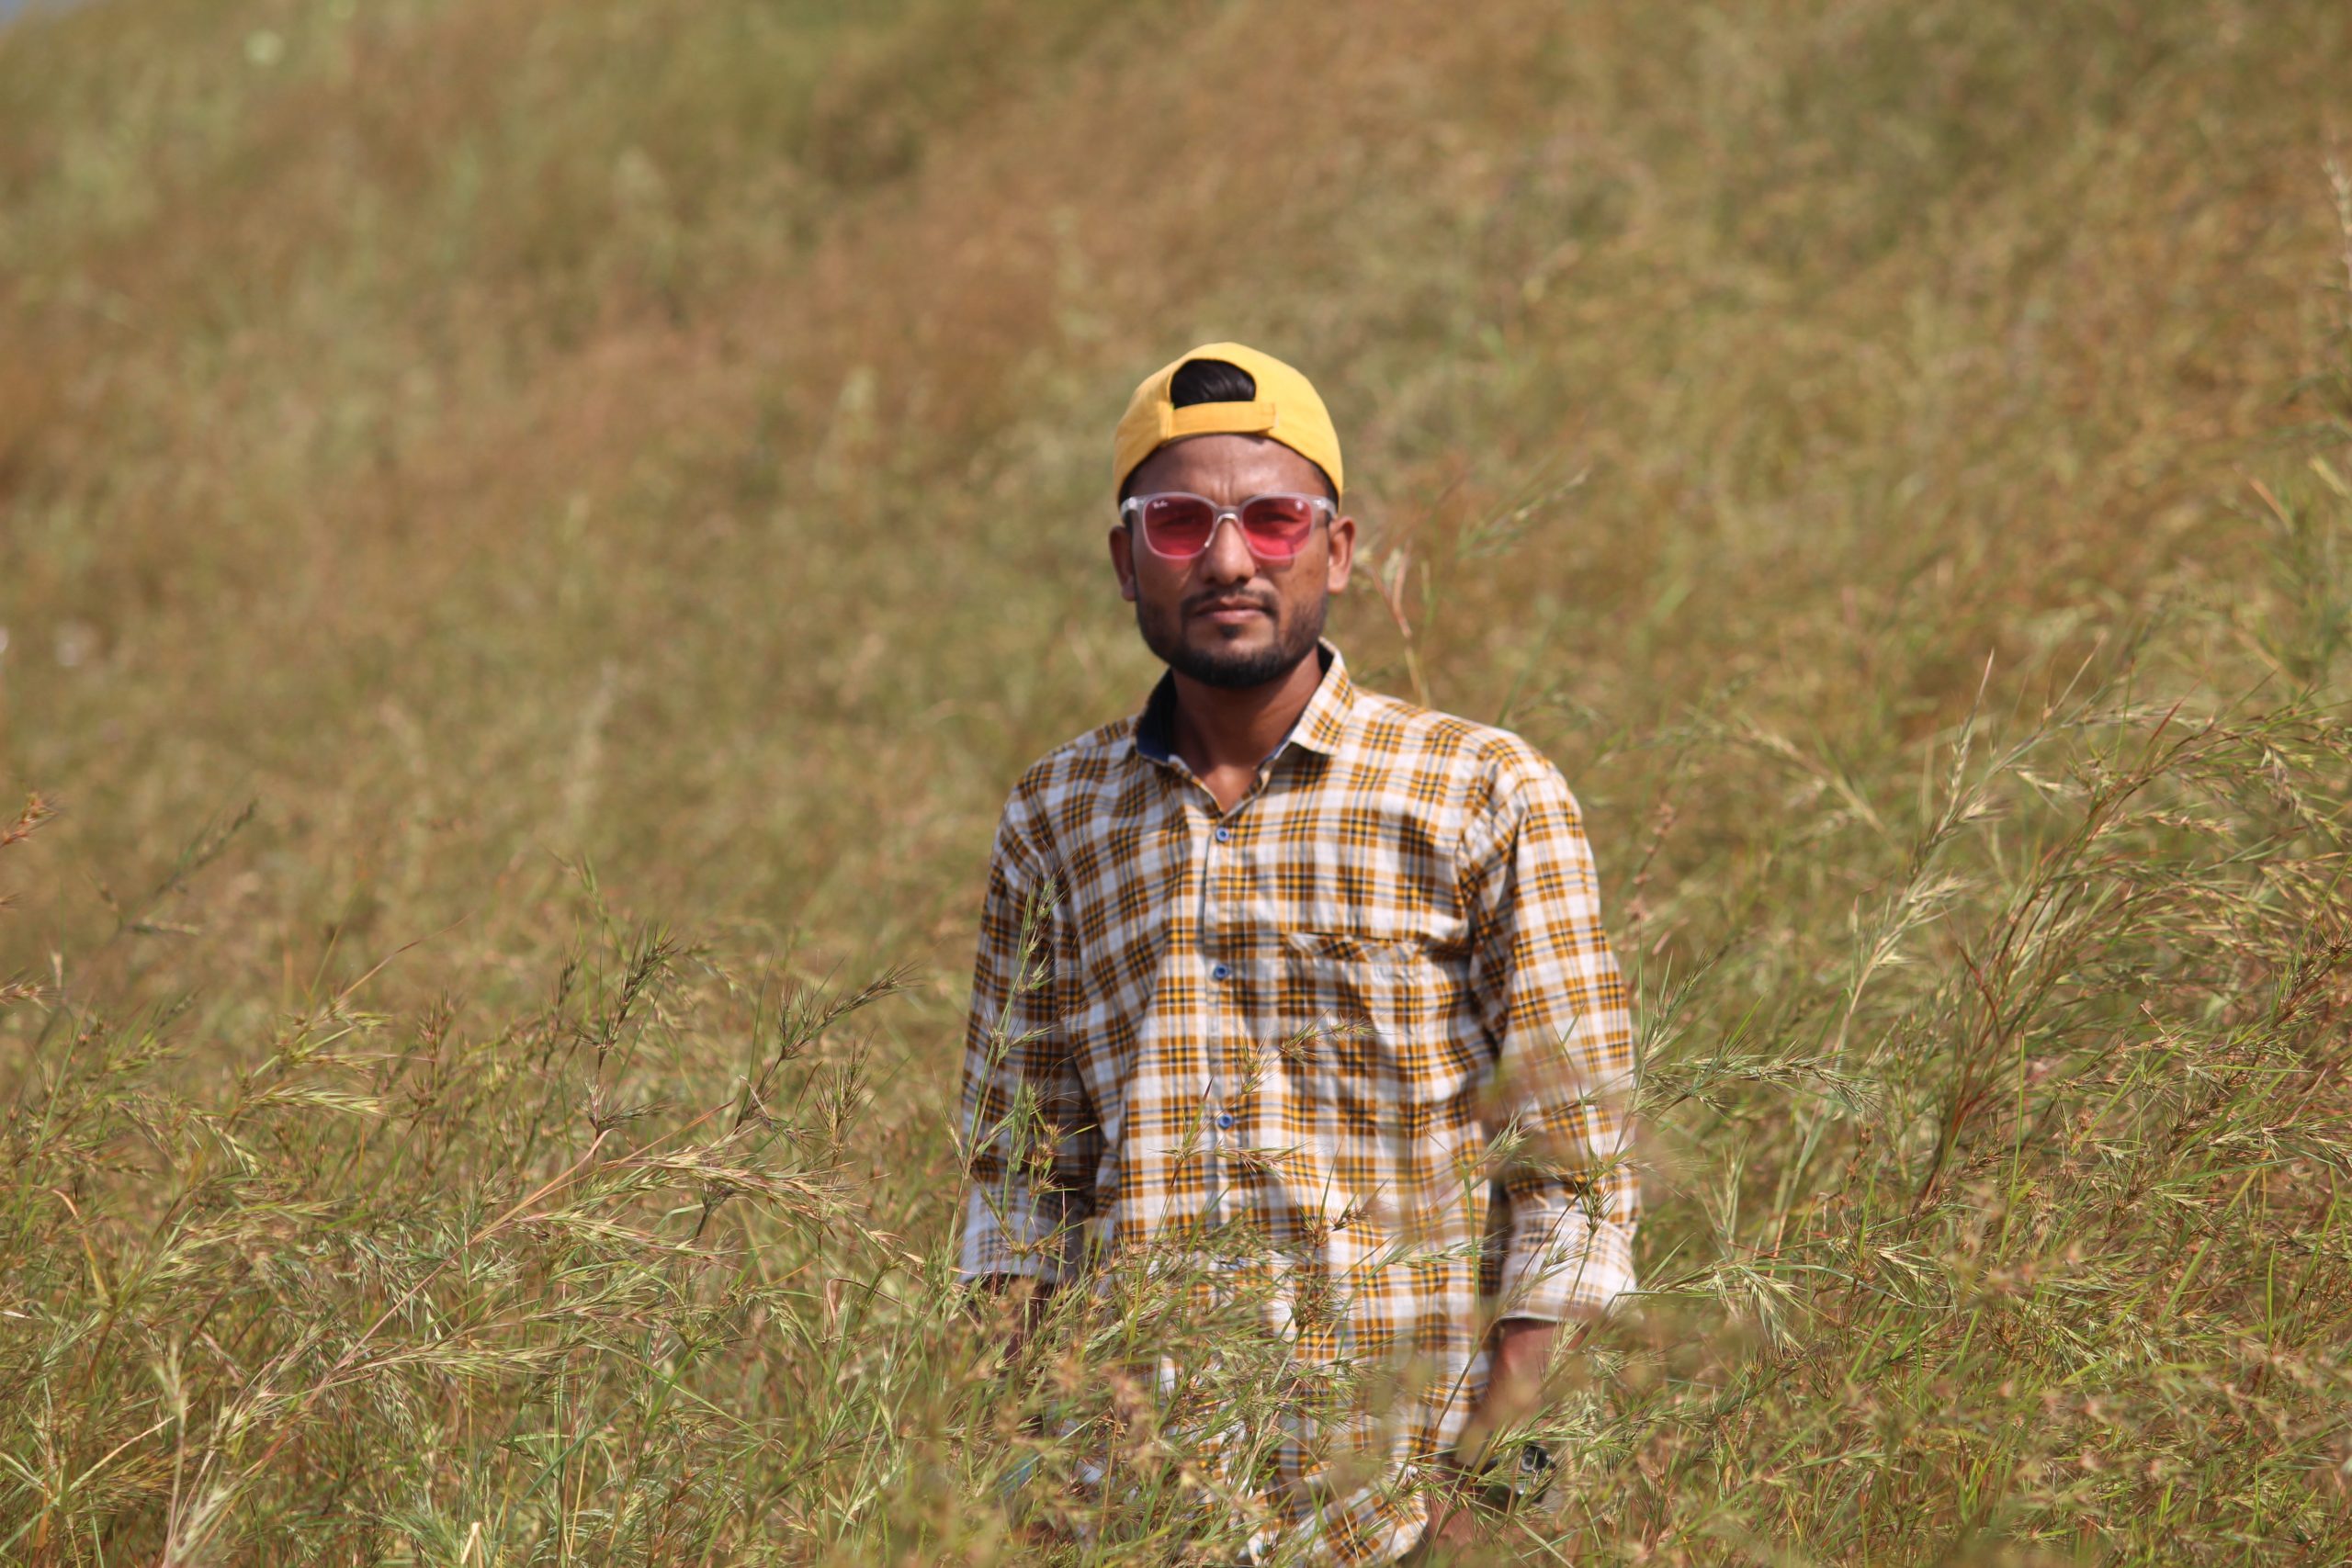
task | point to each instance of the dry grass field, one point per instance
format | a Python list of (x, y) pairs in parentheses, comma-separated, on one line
[(536, 535)]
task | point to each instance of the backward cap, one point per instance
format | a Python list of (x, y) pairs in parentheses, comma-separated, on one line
[(1286, 409)]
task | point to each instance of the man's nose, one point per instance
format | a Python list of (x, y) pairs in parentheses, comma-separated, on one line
[(1227, 557)]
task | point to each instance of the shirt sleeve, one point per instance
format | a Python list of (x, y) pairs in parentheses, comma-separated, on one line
[(1030, 1133), (1559, 1020)]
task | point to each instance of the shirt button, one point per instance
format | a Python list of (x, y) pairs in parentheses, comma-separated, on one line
[(1225, 1120), (1224, 835), (1221, 973)]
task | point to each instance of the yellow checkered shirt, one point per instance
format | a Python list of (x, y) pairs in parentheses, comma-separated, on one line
[(1362, 1036)]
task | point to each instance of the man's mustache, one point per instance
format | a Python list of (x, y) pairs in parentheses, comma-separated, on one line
[(1266, 603)]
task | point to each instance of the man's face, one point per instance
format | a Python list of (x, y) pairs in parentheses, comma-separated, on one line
[(1221, 617)]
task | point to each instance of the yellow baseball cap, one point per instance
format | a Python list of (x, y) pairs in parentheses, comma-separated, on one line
[(1285, 410)]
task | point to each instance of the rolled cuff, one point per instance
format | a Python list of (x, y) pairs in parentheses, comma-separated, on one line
[(1009, 1229), (1562, 1264)]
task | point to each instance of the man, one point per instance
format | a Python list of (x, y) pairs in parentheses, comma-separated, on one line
[(1285, 971)]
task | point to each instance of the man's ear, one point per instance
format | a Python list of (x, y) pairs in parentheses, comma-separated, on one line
[(1343, 555), (1123, 560)]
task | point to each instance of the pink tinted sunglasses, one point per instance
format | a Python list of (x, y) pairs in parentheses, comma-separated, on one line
[(1177, 526)]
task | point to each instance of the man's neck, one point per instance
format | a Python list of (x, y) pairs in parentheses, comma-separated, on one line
[(1223, 734)]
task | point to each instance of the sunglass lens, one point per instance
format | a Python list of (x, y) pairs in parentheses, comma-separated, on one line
[(1278, 524), (1178, 525)]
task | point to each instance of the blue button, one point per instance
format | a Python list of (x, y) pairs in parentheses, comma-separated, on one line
[(1225, 1120), (1223, 835), (1220, 973)]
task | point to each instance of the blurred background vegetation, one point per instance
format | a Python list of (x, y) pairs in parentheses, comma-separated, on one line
[(535, 537)]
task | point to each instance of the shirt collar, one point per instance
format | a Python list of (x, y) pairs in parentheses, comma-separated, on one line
[(1320, 727)]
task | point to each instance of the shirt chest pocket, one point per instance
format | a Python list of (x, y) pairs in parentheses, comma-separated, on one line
[(1376, 1022)]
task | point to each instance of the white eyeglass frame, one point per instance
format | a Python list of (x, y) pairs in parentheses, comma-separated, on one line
[(1326, 511)]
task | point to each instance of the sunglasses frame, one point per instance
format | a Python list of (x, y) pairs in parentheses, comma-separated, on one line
[(1326, 510)]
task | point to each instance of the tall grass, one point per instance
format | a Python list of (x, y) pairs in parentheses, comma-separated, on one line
[(534, 537)]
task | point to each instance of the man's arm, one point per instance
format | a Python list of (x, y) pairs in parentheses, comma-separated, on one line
[(1030, 1133), (1559, 1020)]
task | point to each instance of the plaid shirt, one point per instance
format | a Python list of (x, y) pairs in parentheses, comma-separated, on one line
[(1301, 1028)]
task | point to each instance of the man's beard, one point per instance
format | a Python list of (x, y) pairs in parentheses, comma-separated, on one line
[(1228, 669)]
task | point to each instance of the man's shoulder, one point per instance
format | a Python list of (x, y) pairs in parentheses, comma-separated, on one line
[(1086, 760), (1054, 790), (1386, 729)]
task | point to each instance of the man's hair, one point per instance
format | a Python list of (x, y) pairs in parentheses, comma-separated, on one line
[(1214, 381), (1210, 381)]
